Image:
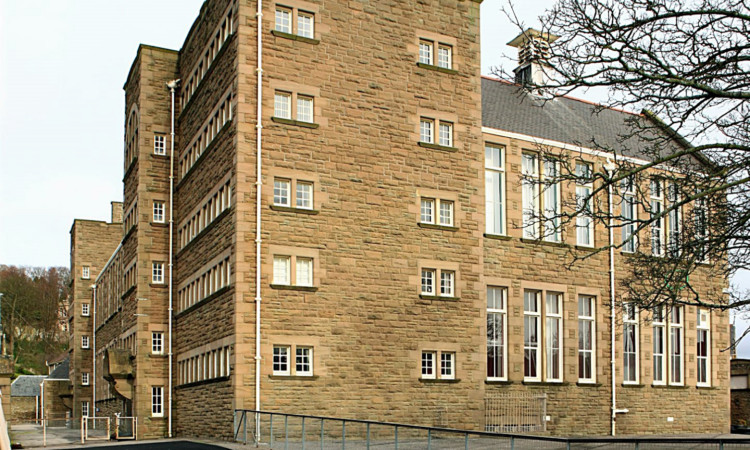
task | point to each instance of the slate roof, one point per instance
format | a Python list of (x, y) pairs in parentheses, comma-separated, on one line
[(61, 372), (509, 107), (26, 386)]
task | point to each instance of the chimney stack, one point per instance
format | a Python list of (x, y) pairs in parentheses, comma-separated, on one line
[(533, 52)]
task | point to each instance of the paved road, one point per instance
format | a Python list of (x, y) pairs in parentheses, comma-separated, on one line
[(171, 445)]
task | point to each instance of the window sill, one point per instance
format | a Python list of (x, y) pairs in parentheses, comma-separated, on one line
[(290, 287), (498, 237), (443, 148), (545, 383), (542, 242), (311, 212), (202, 382), (498, 382), (295, 37), (439, 297), (670, 386), (585, 248), (298, 123), (707, 388), (439, 380), (633, 385), (432, 226), (593, 384), (293, 377), (437, 68)]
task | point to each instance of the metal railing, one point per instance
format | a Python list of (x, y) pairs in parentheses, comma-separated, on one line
[(515, 412), (298, 431)]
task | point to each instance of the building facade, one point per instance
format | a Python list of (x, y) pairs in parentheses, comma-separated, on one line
[(394, 274)]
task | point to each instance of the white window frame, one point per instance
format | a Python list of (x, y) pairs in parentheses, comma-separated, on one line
[(494, 202), (551, 199), (85, 409), (584, 220), (278, 260), (158, 212), (429, 364), (703, 332), (307, 279), (157, 401), (280, 186), (532, 348), (549, 344), (427, 210), (446, 63), (426, 130), (497, 340), (447, 366), (530, 194), (426, 52), (84, 342), (157, 342), (84, 379), (304, 194), (445, 213), (299, 352), (676, 342), (85, 309), (660, 355), (630, 320), (700, 222), (445, 138), (86, 272), (282, 105), (160, 144), (310, 34), (674, 221), (305, 109), (587, 322), (447, 283), (629, 215), (656, 188), (281, 15), (428, 275), (432, 211), (157, 273), (284, 367)]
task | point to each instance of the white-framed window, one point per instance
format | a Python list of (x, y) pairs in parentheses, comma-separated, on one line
[(428, 281), (157, 273), (496, 333), (586, 338), (584, 221), (85, 309), (304, 195), (283, 21), (703, 351), (85, 272), (426, 131), (157, 401), (160, 144), (530, 194), (445, 56), (447, 365), (494, 182), (445, 136), (629, 215), (657, 222), (676, 343), (700, 222), (304, 109), (447, 283), (428, 365), (84, 342), (630, 367), (282, 269), (281, 188), (425, 51), (658, 323), (158, 215), (304, 270), (85, 378), (282, 105), (428, 210), (306, 24), (157, 342), (531, 334), (304, 361), (84, 409), (551, 194), (281, 360), (553, 335), (674, 221), (446, 213)]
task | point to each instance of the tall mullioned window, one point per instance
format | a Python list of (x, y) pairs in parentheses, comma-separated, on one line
[(494, 182), (660, 345), (496, 320), (530, 195), (657, 222), (586, 338), (703, 350), (553, 334), (674, 221), (584, 220), (629, 215), (630, 343), (531, 334), (675, 345), (551, 192)]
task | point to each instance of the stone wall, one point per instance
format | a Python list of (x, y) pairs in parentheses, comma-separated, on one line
[(23, 409)]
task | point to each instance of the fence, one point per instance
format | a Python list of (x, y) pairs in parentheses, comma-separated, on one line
[(296, 431), (518, 412)]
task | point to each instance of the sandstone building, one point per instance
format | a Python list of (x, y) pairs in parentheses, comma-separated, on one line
[(394, 271)]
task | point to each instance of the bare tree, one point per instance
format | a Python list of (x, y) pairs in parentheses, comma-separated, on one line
[(684, 64)]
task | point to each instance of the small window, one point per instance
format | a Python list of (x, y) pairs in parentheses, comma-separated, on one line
[(283, 20), (157, 343), (305, 109), (430, 51), (428, 365), (160, 145), (84, 409), (157, 401), (281, 192), (282, 270), (85, 309), (446, 213), (304, 271), (428, 281), (85, 378), (158, 212), (85, 272), (425, 52), (445, 56), (306, 24), (304, 195), (282, 105), (84, 342), (304, 361), (425, 130), (281, 360), (447, 282), (427, 210), (446, 134), (157, 273), (447, 365)]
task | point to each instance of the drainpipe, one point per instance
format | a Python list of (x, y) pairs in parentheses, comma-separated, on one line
[(171, 85), (93, 354), (259, 187)]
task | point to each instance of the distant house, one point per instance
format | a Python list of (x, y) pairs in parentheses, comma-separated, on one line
[(25, 393)]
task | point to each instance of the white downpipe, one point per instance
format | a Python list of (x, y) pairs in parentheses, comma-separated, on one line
[(93, 355), (171, 85), (610, 167), (259, 187)]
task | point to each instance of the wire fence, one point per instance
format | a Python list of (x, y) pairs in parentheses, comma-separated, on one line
[(517, 412), (296, 431)]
